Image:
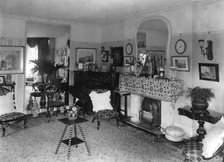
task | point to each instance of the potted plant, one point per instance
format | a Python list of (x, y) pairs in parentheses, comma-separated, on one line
[(199, 97), (45, 67)]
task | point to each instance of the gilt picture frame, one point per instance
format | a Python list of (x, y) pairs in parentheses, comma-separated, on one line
[(2, 80), (11, 59), (181, 63), (86, 55), (209, 72)]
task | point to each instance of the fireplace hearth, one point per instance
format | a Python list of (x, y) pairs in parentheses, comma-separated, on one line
[(150, 112)]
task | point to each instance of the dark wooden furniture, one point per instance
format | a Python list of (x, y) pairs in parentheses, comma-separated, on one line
[(201, 117), (12, 117), (53, 100), (117, 102), (86, 81), (72, 140)]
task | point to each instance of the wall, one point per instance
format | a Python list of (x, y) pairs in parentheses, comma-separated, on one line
[(15, 29), (190, 23)]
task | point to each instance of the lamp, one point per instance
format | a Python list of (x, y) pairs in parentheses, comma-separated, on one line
[(206, 47), (201, 43)]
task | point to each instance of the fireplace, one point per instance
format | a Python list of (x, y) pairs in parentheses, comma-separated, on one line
[(150, 113), (150, 105)]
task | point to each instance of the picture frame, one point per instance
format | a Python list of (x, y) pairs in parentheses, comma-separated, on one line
[(129, 60), (141, 37), (2, 80), (208, 71), (86, 55), (181, 63), (105, 56), (104, 68), (11, 59), (112, 68), (118, 54)]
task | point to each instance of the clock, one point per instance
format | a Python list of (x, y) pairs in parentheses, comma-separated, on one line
[(129, 48), (180, 46)]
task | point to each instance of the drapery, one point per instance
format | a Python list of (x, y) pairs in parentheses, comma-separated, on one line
[(43, 46)]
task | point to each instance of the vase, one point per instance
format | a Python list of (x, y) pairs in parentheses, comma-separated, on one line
[(199, 105), (72, 115), (35, 109)]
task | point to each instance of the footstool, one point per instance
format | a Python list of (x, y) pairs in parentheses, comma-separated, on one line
[(106, 114), (13, 117), (174, 133)]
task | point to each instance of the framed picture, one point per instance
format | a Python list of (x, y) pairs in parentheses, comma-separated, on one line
[(141, 38), (129, 60), (2, 80), (86, 55), (209, 72), (104, 68), (104, 55), (11, 59), (113, 68), (181, 63), (117, 53)]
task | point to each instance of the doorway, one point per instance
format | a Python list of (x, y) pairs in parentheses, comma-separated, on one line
[(56, 38)]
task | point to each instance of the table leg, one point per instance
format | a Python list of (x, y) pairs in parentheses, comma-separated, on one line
[(84, 139), (75, 131), (69, 143), (62, 136), (201, 131)]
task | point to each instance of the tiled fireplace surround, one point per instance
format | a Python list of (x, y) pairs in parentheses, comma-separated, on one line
[(160, 89)]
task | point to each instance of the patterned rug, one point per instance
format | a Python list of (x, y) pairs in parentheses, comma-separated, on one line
[(110, 143)]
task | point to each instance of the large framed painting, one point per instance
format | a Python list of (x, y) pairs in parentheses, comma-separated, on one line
[(118, 54), (86, 55), (11, 59), (209, 72)]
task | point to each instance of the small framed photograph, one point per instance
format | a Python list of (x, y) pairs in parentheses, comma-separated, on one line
[(113, 68), (2, 80), (209, 72), (129, 60), (105, 56), (104, 68), (181, 63)]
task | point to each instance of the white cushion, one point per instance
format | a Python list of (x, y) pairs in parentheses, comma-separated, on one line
[(101, 101), (213, 139), (6, 103)]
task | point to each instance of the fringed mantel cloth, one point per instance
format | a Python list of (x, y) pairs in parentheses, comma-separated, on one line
[(159, 89)]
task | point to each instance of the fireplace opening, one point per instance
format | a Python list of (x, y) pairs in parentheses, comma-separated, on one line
[(150, 113)]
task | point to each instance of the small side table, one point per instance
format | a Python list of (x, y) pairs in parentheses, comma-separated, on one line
[(209, 116), (72, 140)]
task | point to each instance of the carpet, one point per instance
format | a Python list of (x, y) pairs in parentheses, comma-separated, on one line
[(110, 143)]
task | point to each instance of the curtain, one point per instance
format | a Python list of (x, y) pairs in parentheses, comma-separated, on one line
[(43, 46)]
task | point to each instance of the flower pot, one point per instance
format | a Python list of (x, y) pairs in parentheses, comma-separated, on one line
[(72, 115), (199, 105)]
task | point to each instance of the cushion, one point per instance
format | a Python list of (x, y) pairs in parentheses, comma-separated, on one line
[(213, 139), (175, 134), (6, 103), (193, 151), (101, 101)]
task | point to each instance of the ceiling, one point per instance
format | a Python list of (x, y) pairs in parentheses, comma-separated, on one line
[(91, 11)]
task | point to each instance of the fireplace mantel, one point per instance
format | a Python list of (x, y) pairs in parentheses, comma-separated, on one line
[(159, 89)]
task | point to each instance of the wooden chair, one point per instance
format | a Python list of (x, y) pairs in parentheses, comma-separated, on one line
[(9, 118), (53, 100)]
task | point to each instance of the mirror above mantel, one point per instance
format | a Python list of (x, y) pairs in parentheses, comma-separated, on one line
[(152, 39)]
